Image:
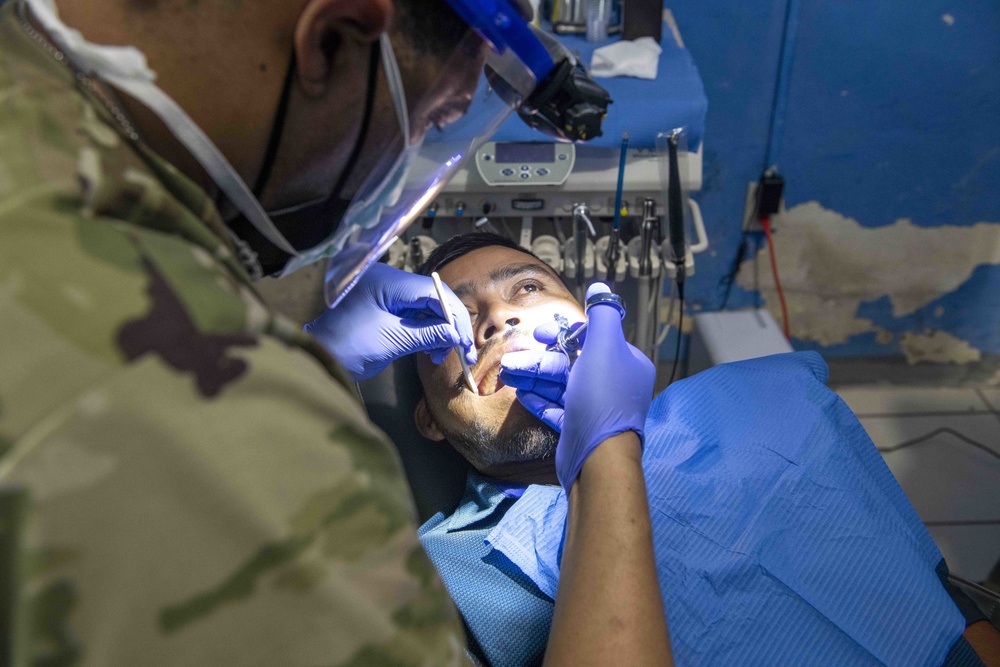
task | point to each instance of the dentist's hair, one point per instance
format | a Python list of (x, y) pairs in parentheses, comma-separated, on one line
[(432, 25)]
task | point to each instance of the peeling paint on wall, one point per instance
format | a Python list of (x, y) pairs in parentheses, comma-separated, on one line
[(829, 264), (938, 347)]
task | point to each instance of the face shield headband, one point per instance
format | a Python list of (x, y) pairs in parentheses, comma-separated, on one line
[(499, 38)]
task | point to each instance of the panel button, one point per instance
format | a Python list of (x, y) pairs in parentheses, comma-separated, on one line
[(525, 167), (527, 204), (542, 172), (563, 156), (525, 175), (507, 172)]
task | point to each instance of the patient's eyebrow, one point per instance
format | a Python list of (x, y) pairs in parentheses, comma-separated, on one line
[(503, 274)]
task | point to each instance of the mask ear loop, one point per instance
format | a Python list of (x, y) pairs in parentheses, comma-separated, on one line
[(366, 122), (278, 127), (277, 130), (242, 229)]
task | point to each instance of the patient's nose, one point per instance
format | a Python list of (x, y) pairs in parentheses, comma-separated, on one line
[(496, 325)]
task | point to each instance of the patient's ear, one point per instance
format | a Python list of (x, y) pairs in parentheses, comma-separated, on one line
[(425, 422)]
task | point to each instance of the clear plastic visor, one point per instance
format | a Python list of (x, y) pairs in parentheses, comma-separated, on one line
[(412, 170)]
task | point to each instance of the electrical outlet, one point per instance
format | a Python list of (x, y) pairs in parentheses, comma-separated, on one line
[(751, 224)]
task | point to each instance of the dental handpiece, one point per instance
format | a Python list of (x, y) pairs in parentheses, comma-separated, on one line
[(568, 341)]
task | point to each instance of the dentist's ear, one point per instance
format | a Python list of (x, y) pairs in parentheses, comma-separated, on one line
[(425, 422), (325, 27)]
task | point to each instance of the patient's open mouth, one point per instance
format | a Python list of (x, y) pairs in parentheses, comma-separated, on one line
[(488, 381), (491, 382)]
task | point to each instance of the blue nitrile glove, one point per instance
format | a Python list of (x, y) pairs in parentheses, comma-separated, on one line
[(608, 391), (540, 376), (390, 314)]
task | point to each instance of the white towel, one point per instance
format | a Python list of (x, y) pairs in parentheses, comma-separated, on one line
[(639, 58)]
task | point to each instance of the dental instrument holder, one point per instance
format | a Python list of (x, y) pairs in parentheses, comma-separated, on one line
[(650, 226), (675, 208), (645, 324), (581, 217)]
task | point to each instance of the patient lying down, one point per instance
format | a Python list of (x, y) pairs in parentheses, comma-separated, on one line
[(780, 535)]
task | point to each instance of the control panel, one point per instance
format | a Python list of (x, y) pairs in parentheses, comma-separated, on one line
[(591, 181), (525, 164)]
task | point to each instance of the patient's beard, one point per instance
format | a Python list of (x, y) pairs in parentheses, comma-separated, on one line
[(520, 438)]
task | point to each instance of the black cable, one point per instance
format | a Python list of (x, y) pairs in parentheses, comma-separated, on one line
[(374, 59), (730, 277), (680, 332), (277, 129), (969, 441), (756, 277), (971, 522), (943, 429)]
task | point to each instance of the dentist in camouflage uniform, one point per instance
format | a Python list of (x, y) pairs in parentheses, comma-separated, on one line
[(185, 476)]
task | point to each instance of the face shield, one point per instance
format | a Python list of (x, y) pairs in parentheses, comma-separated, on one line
[(387, 202)]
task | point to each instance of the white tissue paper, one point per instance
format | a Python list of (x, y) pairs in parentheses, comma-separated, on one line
[(639, 58)]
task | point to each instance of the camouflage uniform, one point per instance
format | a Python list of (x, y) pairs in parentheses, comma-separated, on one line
[(185, 478)]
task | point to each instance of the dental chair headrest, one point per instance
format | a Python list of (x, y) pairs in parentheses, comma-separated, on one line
[(435, 471)]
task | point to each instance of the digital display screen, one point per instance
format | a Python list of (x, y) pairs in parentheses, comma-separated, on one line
[(526, 153)]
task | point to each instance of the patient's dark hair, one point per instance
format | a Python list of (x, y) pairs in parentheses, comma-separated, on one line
[(463, 244)]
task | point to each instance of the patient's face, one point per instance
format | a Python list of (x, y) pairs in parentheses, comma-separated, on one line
[(508, 293)]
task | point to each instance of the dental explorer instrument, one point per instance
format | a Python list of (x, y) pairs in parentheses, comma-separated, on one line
[(466, 371)]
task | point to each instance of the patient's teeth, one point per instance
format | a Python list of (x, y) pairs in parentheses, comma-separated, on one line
[(491, 383)]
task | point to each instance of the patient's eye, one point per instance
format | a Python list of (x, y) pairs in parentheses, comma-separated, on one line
[(527, 287)]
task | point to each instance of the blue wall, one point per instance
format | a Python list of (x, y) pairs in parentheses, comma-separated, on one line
[(893, 112)]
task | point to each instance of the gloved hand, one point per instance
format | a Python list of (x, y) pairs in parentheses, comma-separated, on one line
[(390, 314), (540, 376), (608, 391)]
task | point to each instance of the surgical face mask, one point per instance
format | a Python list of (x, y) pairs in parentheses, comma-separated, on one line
[(126, 68)]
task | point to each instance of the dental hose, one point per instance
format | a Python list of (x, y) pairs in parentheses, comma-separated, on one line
[(675, 212), (643, 337), (680, 333), (613, 250)]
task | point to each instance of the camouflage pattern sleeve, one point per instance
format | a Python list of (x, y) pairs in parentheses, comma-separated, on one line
[(185, 478)]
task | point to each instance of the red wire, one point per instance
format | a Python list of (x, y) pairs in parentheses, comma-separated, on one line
[(766, 224)]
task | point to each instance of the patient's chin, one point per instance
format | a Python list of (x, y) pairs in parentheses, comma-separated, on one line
[(520, 437)]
